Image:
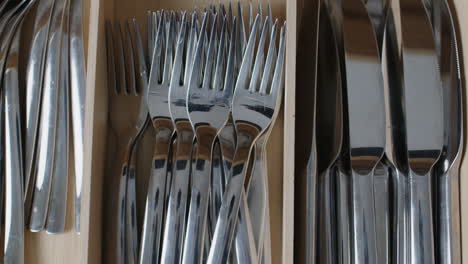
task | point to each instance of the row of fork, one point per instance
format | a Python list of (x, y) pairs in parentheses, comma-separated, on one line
[(200, 75)]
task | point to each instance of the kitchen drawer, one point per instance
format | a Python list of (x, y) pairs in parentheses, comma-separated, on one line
[(104, 168), (287, 147)]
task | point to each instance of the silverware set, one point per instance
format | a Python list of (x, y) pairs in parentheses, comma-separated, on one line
[(383, 177), (211, 85), (34, 168)]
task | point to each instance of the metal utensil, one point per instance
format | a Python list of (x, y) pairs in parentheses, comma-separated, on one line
[(424, 123), (208, 105), (58, 195), (128, 133), (34, 80), (367, 125), (48, 121), (78, 97), (252, 112), (14, 211), (447, 171), (329, 135)]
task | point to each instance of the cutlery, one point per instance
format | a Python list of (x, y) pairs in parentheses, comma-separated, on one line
[(447, 171), (128, 133), (424, 123), (366, 117), (48, 121), (78, 97), (329, 135), (395, 153), (14, 211), (58, 194), (174, 226), (252, 112), (209, 104), (158, 104), (34, 81)]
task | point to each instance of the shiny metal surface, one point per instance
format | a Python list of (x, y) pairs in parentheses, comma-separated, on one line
[(34, 80), (424, 123), (128, 134), (329, 135), (174, 226), (252, 229), (14, 172), (253, 108), (77, 99), (447, 171), (158, 91), (56, 215), (208, 104), (395, 153), (366, 117), (48, 121)]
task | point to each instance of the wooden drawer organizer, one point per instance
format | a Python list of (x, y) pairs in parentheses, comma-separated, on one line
[(287, 147)]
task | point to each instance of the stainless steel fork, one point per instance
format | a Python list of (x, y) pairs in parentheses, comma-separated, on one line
[(252, 110), (174, 228), (128, 133), (209, 104), (158, 104)]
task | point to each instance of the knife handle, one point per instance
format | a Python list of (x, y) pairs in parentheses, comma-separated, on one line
[(343, 188), (421, 228), (382, 212), (326, 253), (400, 216), (364, 241), (448, 206)]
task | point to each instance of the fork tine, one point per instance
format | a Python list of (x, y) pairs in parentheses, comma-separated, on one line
[(210, 58), (243, 37), (197, 60), (260, 11), (192, 40), (259, 59), (167, 70), (142, 70), (120, 61), (278, 77), (155, 73), (247, 59), (130, 62), (229, 81), (150, 36), (250, 18), (111, 78), (271, 57), (270, 15), (180, 46), (220, 61)]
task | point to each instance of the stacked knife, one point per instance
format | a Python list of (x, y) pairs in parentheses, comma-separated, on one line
[(385, 179), (211, 87)]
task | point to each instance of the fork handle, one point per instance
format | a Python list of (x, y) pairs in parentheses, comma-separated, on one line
[(197, 215), (155, 200), (174, 226), (131, 213), (121, 216), (14, 211), (448, 206), (226, 223), (364, 238), (421, 228)]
